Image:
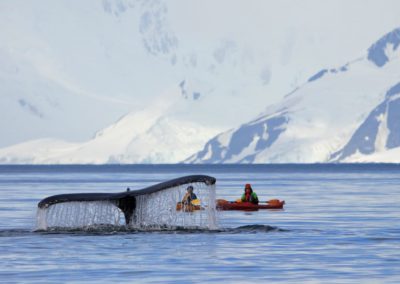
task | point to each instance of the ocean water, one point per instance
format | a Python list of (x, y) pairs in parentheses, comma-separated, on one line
[(340, 224)]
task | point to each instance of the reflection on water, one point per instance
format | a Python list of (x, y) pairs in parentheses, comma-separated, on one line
[(123, 229), (339, 225)]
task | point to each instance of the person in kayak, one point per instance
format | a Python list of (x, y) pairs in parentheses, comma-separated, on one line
[(249, 195), (189, 195)]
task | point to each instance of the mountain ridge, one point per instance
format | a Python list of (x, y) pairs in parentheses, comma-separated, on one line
[(311, 130)]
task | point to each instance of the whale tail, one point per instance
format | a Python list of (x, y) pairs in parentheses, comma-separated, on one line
[(150, 206)]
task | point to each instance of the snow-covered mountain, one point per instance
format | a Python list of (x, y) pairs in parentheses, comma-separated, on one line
[(345, 114), (152, 135), (348, 114), (69, 68)]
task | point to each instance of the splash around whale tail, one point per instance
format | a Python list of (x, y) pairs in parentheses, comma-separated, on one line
[(148, 207)]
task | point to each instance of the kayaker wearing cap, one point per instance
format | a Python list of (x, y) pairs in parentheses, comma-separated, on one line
[(189, 195), (249, 195)]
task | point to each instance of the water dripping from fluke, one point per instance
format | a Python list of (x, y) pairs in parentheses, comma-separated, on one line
[(151, 208)]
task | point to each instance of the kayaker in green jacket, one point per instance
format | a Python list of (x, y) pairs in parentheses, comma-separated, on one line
[(249, 195)]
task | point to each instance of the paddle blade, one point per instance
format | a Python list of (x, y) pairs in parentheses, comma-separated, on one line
[(274, 202)]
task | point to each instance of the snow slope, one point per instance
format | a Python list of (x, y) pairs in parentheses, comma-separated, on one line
[(151, 135), (388, 156), (337, 115)]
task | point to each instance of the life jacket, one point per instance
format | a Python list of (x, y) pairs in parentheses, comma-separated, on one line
[(251, 198), (192, 196)]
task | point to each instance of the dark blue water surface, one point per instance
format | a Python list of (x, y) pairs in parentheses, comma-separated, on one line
[(341, 224)]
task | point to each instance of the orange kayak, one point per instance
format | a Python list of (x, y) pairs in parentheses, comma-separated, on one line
[(187, 207), (223, 204)]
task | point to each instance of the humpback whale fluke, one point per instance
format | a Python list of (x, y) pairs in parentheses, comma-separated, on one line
[(129, 200)]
